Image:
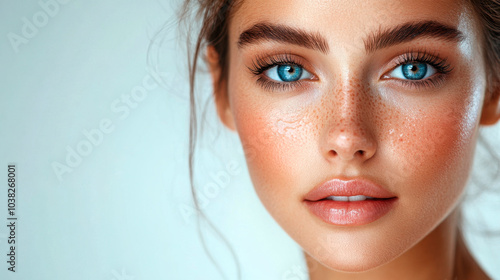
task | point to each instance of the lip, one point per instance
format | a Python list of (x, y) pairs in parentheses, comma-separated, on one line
[(349, 213)]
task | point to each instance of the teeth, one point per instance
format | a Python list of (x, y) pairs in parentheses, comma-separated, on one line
[(357, 198), (349, 198), (338, 198)]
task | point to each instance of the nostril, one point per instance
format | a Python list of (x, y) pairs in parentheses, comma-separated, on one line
[(334, 153), (361, 152)]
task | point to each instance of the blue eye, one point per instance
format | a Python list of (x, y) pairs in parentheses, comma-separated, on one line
[(413, 71), (287, 73)]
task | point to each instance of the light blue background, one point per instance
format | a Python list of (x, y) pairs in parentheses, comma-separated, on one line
[(119, 213)]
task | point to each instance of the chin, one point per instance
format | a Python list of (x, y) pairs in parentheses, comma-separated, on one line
[(353, 263), (356, 261), (358, 249)]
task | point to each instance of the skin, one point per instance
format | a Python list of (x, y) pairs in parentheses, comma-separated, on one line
[(417, 143)]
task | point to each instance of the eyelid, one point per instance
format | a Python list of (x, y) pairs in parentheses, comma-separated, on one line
[(263, 63), (432, 58), (268, 73), (267, 61)]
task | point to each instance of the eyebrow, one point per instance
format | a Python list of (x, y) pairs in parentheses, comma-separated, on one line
[(282, 33), (409, 31), (378, 40)]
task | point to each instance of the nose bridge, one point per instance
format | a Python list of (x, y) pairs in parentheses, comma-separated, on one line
[(350, 104), (349, 133), (348, 107)]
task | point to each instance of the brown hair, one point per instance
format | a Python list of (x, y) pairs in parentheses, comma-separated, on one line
[(488, 14), (215, 15)]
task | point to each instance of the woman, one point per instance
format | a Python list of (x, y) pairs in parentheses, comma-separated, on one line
[(359, 121)]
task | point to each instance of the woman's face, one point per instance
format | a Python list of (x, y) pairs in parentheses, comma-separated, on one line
[(379, 92)]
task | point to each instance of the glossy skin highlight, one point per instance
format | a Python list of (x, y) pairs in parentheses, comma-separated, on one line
[(350, 120)]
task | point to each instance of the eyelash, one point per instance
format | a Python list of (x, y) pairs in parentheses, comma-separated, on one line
[(441, 65), (261, 64)]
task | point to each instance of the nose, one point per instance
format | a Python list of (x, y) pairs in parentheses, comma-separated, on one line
[(350, 145), (350, 128)]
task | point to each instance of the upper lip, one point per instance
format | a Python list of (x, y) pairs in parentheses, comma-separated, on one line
[(338, 187)]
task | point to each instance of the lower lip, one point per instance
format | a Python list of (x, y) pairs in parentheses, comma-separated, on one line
[(354, 213)]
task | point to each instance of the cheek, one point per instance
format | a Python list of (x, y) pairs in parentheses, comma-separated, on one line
[(276, 143), (433, 152), (425, 143)]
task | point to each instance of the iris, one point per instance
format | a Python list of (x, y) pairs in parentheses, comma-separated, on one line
[(289, 73), (414, 71)]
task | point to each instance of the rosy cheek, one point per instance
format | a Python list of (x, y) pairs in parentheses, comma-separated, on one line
[(432, 152), (276, 143)]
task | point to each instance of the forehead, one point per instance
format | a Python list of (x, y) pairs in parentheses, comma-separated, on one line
[(343, 21)]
